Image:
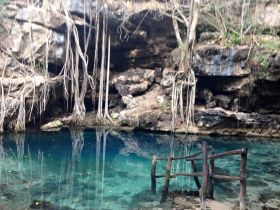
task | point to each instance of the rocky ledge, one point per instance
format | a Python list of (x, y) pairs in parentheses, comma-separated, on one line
[(232, 98)]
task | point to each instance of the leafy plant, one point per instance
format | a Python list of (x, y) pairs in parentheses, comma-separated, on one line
[(233, 38), (265, 48), (262, 59)]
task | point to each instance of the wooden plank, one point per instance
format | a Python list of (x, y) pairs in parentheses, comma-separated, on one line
[(226, 177), (162, 158), (228, 153), (195, 178), (160, 176), (184, 157), (153, 175), (212, 180), (167, 179), (221, 155), (186, 174), (187, 157), (243, 164), (203, 191)]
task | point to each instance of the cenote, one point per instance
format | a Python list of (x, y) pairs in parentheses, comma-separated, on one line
[(92, 169)]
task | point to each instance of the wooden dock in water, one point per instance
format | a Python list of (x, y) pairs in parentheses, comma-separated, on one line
[(206, 188)]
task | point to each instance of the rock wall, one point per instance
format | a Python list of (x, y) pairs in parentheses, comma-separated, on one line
[(234, 95)]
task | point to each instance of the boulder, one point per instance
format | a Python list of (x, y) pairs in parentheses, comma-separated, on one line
[(205, 96), (143, 111), (167, 77), (130, 102), (222, 101), (211, 104), (133, 81), (128, 118), (52, 126)]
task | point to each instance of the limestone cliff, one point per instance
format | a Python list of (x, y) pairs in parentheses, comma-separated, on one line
[(238, 81)]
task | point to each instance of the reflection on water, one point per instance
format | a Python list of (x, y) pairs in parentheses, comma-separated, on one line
[(105, 169)]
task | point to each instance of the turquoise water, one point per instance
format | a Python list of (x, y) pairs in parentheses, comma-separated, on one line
[(111, 170)]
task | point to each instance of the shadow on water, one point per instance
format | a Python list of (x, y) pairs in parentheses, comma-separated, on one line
[(102, 169)]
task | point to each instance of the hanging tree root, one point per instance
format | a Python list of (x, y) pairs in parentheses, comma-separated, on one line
[(181, 86), (184, 80), (24, 92)]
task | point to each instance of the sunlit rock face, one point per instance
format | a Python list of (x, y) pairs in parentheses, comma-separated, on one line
[(27, 49), (268, 15), (221, 61), (46, 18), (32, 29)]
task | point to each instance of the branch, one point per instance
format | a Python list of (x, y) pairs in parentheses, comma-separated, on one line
[(186, 22), (176, 30)]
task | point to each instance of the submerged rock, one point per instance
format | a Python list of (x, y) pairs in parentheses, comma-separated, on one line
[(272, 204), (38, 204)]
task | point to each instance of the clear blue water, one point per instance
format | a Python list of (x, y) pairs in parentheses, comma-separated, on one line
[(92, 170)]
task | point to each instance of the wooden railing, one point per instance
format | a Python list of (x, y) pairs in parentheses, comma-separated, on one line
[(208, 173)]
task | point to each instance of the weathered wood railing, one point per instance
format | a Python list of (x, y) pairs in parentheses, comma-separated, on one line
[(208, 173)]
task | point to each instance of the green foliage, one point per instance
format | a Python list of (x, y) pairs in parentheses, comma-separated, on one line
[(264, 49), (271, 45), (233, 38), (262, 59)]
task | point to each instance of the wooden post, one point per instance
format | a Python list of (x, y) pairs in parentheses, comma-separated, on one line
[(212, 180), (167, 178), (195, 177), (243, 164), (153, 175), (203, 191)]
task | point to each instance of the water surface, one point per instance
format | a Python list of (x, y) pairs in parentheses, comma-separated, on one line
[(111, 170)]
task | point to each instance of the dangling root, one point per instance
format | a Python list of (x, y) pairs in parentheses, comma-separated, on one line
[(20, 99), (104, 118), (185, 78), (177, 101)]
